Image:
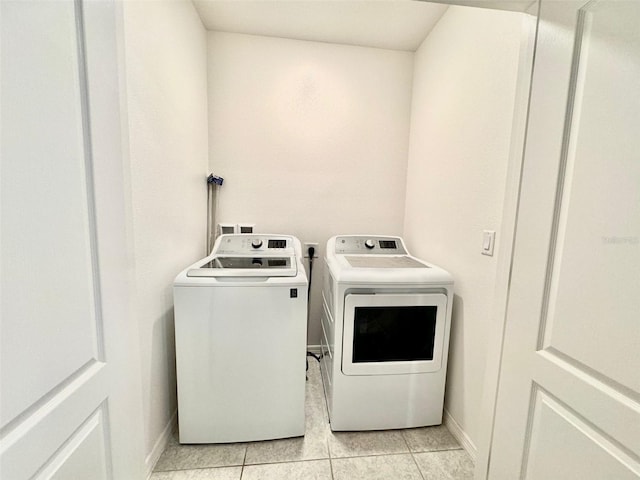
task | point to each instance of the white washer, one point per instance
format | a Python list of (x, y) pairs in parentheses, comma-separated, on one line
[(386, 319), (241, 328)]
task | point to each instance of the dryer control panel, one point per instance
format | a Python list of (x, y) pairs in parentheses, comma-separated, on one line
[(369, 245)]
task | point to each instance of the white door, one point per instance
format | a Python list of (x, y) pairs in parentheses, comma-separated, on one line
[(69, 385), (569, 397)]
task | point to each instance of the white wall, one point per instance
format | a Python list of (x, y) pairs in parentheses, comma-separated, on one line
[(165, 45), (311, 138), (462, 110)]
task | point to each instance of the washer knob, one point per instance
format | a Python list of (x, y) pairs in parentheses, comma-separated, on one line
[(256, 243), (369, 244)]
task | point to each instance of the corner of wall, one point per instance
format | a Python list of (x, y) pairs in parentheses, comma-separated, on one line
[(509, 212), (165, 54), (456, 188), (460, 435), (161, 444)]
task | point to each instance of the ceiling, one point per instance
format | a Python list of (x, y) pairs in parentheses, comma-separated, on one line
[(391, 24)]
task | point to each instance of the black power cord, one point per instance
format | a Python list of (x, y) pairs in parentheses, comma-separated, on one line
[(311, 251)]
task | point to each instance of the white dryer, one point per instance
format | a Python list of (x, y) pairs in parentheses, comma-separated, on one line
[(241, 329), (385, 321)]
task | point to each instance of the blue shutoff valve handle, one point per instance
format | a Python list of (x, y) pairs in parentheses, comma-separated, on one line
[(214, 179)]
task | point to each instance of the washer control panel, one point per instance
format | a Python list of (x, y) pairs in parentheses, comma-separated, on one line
[(369, 245), (250, 244)]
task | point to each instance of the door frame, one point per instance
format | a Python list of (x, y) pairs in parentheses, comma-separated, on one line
[(501, 300), (506, 241), (104, 34), (498, 314)]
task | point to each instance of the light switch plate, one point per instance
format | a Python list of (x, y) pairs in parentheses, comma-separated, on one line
[(488, 242)]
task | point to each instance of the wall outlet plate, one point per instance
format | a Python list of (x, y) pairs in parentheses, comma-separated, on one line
[(245, 228), (305, 249), (226, 228)]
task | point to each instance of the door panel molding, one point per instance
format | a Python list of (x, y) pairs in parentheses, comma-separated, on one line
[(604, 382), (51, 319), (47, 399), (561, 178), (571, 331), (543, 399), (72, 407), (89, 176), (559, 277), (94, 425), (42, 433), (588, 395)]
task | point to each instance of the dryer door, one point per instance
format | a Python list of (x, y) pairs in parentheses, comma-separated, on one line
[(386, 334)]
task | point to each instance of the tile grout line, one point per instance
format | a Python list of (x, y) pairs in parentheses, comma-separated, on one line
[(417, 466), (349, 457), (326, 410), (328, 457), (404, 437), (330, 461), (198, 468), (300, 460), (244, 461), (327, 439)]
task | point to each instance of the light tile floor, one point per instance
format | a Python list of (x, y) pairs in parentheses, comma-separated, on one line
[(428, 453)]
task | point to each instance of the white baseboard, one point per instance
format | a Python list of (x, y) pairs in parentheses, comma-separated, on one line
[(161, 444), (314, 349), (460, 435)]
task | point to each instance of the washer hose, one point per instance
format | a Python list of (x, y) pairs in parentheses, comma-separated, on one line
[(311, 251), (214, 182)]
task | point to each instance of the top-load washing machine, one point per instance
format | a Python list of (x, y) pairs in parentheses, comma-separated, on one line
[(241, 331), (385, 321)]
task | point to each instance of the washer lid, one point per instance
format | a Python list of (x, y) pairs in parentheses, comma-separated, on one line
[(246, 267), (372, 261)]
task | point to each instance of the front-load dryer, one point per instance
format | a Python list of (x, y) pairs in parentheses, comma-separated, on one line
[(385, 321), (241, 328)]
